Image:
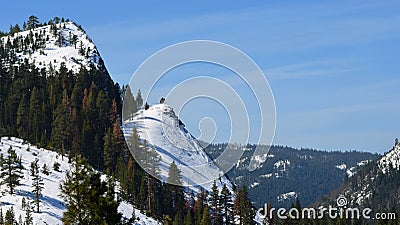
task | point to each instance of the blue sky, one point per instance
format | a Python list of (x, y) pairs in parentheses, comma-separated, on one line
[(333, 66)]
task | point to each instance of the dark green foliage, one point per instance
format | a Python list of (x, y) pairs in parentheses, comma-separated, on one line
[(38, 184), (10, 217), (139, 99), (88, 199), (174, 175), (226, 205), (45, 169), (243, 208), (130, 105), (10, 172), (162, 100), (205, 219), (1, 216), (56, 166), (33, 22), (23, 117), (215, 205)]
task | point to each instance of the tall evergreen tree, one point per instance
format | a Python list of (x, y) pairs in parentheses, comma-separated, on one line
[(174, 175), (10, 170), (35, 115), (205, 220), (243, 208), (1, 216), (23, 117), (28, 215), (88, 199), (226, 205), (32, 22), (10, 217), (188, 218), (74, 192), (38, 185), (61, 124), (139, 99), (130, 105), (199, 205), (215, 205), (175, 189)]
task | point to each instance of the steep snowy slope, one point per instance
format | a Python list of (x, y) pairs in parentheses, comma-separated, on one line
[(52, 206), (45, 46), (376, 185), (166, 133), (390, 159)]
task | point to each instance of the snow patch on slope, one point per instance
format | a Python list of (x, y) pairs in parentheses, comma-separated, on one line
[(52, 206), (161, 128), (390, 160), (287, 196), (341, 166)]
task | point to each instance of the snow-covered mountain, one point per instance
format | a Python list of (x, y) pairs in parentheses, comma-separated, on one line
[(52, 206), (162, 129), (375, 185), (391, 160), (49, 46)]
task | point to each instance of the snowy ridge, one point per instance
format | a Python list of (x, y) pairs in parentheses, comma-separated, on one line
[(53, 51), (161, 128), (390, 159), (51, 206), (363, 191)]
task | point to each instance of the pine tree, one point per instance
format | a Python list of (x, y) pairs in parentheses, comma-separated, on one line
[(23, 117), (199, 205), (28, 215), (174, 187), (226, 205), (178, 219), (215, 204), (61, 124), (205, 220), (243, 208), (130, 106), (32, 22), (10, 217), (1, 216), (10, 171), (139, 99), (20, 220), (37, 186), (188, 218), (74, 190), (174, 175), (88, 199), (35, 115)]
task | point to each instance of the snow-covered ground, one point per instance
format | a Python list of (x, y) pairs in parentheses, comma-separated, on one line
[(162, 129), (51, 206), (391, 158), (54, 53), (287, 196)]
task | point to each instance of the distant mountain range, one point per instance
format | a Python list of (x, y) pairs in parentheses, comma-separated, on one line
[(286, 173)]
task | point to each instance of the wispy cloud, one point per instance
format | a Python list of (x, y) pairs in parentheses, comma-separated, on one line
[(311, 68)]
